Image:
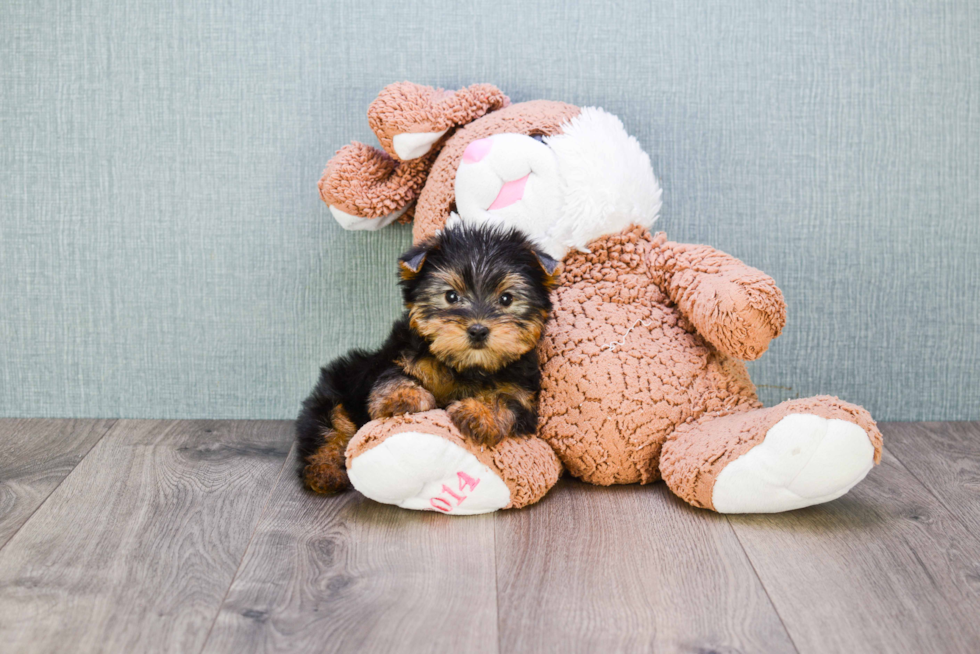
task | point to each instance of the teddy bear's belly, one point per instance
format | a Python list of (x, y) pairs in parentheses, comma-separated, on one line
[(618, 376)]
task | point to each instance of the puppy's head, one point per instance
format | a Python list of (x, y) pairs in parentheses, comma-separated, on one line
[(478, 295)]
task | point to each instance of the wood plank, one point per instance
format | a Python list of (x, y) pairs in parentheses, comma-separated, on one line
[(345, 574), (945, 458), (886, 568), (136, 548), (626, 569), (37, 455)]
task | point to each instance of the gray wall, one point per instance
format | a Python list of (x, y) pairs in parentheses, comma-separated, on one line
[(165, 254)]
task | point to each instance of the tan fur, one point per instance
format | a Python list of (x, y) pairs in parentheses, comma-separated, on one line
[(342, 422), (513, 338), (452, 279), (326, 471), (551, 279), (522, 396), (485, 417), (511, 282), (509, 339), (407, 272), (436, 377), (398, 396), (481, 422)]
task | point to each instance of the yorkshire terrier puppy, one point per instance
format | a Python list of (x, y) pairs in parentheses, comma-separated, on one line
[(476, 301)]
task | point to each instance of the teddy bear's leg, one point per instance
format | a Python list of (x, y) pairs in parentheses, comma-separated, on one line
[(796, 454), (420, 461)]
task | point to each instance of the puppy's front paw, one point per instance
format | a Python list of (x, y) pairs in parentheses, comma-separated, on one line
[(477, 421), (398, 398)]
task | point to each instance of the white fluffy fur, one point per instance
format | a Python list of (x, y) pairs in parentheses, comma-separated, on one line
[(589, 181), (607, 180)]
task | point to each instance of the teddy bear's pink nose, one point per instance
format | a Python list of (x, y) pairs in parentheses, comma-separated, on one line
[(477, 150)]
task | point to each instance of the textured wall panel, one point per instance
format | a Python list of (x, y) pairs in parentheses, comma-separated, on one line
[(163, 251)]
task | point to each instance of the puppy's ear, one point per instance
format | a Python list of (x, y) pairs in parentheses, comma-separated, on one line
[(410, 264), (550, 267)]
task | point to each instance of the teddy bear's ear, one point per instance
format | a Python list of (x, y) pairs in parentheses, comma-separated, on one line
[(367, 188), (409, 119)]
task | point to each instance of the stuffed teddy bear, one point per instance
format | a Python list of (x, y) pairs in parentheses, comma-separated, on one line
[(642, 360)]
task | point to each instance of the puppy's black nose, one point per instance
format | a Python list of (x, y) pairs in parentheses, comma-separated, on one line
[(478, 333)]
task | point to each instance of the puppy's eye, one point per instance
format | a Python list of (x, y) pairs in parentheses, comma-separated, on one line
[(506, 299), (452, 297)]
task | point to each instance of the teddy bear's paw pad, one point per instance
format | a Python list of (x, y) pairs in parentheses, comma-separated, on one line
[(424, 472), (412, 145), (357, 223), (803, 460)]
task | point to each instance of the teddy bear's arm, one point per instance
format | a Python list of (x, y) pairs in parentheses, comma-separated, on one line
[(737, 308), (365, 182)]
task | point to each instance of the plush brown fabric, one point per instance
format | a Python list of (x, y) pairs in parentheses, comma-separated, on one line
[(622, 366), (528, 466), (738, 309)]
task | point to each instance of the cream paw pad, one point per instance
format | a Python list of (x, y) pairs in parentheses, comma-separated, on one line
[(422, 462), (804, 460)]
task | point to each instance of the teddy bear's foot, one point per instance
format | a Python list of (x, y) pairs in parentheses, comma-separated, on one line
[(803, 460), (420, 461), (796, 454)]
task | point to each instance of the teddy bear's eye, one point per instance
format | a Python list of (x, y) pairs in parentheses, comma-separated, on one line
[(452, 297), (506, 299)]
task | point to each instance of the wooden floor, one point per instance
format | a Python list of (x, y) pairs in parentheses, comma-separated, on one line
[(143, 536)]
